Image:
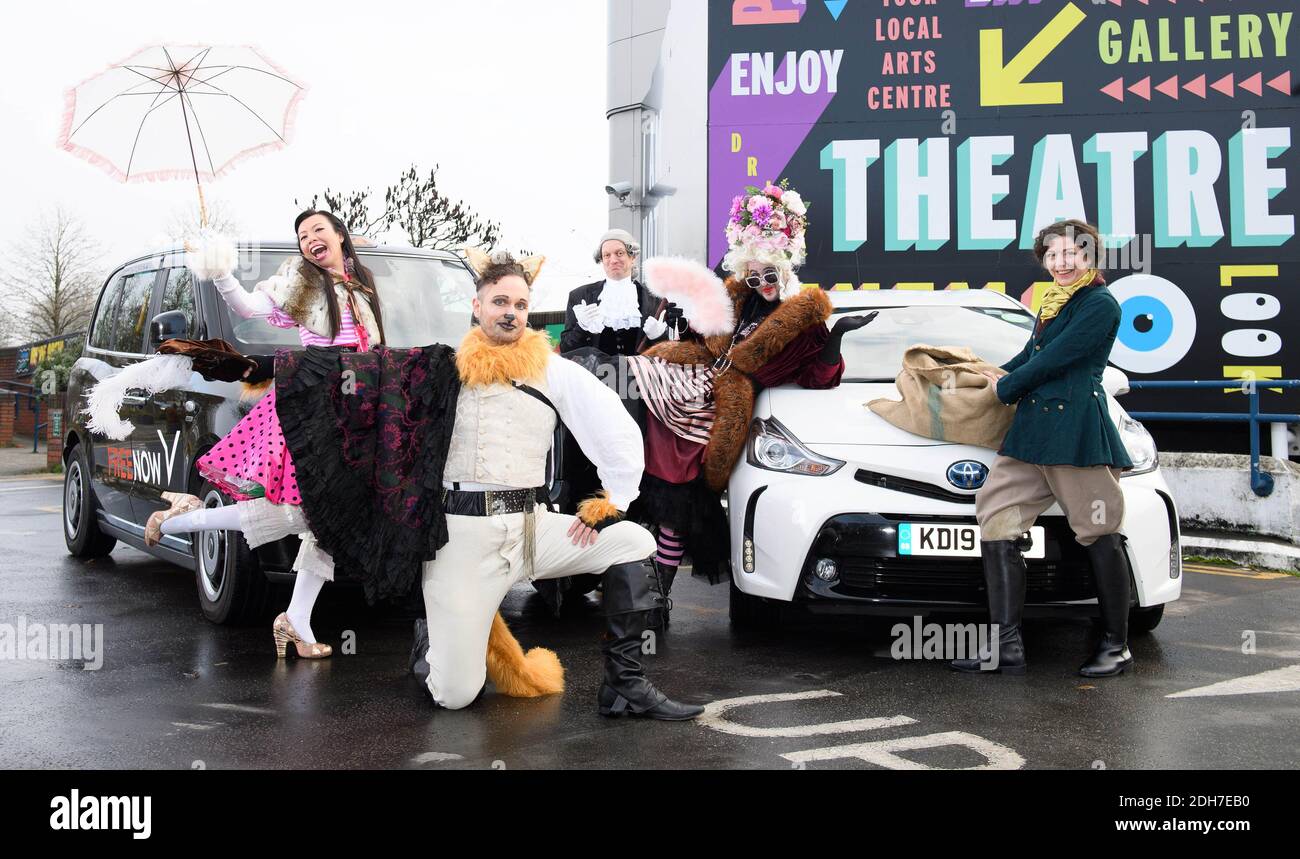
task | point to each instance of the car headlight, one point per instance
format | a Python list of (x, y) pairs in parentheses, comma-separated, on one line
[(774, 448), (1141, 446)]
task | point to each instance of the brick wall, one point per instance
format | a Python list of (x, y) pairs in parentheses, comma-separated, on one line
[(54, 437), (6, 421)]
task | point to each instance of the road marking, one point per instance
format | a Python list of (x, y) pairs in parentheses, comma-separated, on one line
[(714, 717), (1280, 680), (1239, 574), (883, 753), (436, 758), (54, 508), (242, 708), (27, 488)]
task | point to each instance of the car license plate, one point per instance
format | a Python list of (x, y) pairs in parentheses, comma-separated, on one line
[(935, 540)]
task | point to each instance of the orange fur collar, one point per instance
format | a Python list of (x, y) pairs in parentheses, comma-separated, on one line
[(482, 362)]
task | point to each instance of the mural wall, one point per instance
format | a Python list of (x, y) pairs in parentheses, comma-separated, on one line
[(935, 137)]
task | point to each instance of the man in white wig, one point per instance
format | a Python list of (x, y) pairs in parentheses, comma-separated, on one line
[(618, 315)]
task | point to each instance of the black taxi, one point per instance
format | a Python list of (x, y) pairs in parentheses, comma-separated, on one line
[(112, 487)]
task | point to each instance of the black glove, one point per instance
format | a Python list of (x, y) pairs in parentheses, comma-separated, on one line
[(264, 371), (675, 319), (831, 351)]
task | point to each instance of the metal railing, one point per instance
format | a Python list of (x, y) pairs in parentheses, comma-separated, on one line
[(35, 399), (1260, 481)]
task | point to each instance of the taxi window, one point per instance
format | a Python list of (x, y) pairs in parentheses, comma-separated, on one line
[(423, 301), (131, 312)]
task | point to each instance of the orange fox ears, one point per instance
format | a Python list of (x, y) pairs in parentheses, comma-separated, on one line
[(479, 260), (533, 265)]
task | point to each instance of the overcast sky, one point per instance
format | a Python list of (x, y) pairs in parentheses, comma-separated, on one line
[(508, 96)]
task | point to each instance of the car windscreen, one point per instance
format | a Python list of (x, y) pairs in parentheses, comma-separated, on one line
[(423, 301), (875, 353)]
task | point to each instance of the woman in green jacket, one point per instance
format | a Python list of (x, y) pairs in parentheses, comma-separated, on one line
[(1062, 447)]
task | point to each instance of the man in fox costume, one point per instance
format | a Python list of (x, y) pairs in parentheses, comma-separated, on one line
[(411, 465)]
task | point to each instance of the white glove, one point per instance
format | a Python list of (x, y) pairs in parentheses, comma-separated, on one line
[(589, 317), (654, 328), (214, 257)]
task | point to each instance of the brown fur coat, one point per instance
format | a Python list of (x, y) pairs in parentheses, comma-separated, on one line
[(732, 390)]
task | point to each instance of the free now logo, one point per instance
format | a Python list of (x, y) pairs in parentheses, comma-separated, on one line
[(144, 466)]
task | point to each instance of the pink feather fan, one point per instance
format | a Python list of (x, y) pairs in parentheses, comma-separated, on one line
[(699, 292)]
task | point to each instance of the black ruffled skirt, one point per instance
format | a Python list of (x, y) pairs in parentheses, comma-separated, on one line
[(694, 511), (369, 434)]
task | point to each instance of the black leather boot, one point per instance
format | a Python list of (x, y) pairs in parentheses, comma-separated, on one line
[(1004, 578), (417, 661), (631, 595), (662, 615), (1110, 570), (419, 648)]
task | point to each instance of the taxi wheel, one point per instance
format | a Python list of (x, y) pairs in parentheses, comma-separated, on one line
[(81, 532), (232, 588)]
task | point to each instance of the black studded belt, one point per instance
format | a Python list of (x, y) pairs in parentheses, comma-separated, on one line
[(458, 502)]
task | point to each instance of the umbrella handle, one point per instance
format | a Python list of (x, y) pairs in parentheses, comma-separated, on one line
[(203, 208)]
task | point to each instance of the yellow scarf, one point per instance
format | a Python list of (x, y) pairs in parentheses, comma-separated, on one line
[(1056, 296), (482, 362)]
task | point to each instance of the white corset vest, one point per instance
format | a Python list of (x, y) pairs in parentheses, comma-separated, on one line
[(501, 436)]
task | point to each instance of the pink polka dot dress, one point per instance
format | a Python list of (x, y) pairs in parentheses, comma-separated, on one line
[(253, 460)]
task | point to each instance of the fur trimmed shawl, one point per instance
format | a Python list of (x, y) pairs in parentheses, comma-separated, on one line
[(733, 391), (298, 294)]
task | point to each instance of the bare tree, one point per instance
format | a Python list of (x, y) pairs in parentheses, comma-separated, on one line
[(352, 208), (429, 218), (185, 223), (54, 276), (10, 333)]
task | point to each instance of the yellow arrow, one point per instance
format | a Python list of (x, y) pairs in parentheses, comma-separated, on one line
[(1005, 84)]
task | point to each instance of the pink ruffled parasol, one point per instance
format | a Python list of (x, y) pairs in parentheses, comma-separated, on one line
[(180, 111)]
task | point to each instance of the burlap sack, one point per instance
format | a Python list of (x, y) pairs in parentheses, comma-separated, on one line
[(945, 397)]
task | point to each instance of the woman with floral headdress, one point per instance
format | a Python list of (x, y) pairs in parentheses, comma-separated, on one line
[(779, 335)]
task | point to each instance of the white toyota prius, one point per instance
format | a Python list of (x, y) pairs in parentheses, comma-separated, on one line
[(837, 511)]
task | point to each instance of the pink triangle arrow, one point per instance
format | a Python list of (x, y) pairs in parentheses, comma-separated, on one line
[(1142, 88), (1196, 86), (1282, 83), (1254, 83), (1224, 85), (1115, 89), (1169, 88)]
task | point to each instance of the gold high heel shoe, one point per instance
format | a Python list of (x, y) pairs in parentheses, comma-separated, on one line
[(181, 502), (285, 634)]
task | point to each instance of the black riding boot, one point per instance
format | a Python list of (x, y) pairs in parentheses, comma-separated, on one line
[(417, 662), (1004, 577), (1110, 570), (631, 595), (662, 615)]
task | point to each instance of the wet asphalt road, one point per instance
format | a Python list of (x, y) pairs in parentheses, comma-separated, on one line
[(175, 691)]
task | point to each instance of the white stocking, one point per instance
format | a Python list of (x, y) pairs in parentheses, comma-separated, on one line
[(306, 587), (205, 519)]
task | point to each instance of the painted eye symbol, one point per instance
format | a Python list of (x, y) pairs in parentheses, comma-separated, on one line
[(1157, 324)]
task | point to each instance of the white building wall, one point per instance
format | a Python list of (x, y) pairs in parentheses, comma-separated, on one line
[(658, 111)]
